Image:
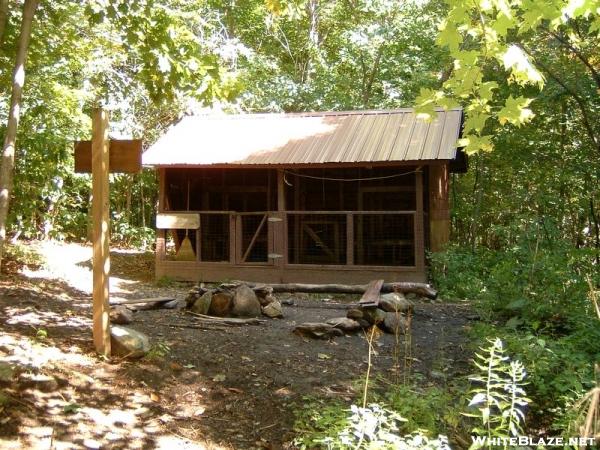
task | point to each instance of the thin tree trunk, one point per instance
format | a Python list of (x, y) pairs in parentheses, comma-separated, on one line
[(3, 18), (8, 150)]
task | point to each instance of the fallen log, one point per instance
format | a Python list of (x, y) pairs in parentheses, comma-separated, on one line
[(421, 289), (147, 303), (143, 300), (225, 320)]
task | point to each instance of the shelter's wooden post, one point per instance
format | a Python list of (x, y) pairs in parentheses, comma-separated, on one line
[(439, 207), (419, 223), (280, 226), (350, 239), (161, 234), (101, 230)]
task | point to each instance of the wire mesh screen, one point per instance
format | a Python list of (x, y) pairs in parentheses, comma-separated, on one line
[(317, 238), (255, 247), (214, 237), (384, 239)]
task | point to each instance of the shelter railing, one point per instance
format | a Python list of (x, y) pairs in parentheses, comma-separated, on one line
[(355, 238)]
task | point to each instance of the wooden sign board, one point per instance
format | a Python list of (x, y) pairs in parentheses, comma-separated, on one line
[(125, 156), (178, 221)]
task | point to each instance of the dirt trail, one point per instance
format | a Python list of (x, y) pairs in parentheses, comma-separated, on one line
[(203, 388)]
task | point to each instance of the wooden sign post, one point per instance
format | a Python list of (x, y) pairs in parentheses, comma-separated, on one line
[(95, 156), (101, 229)]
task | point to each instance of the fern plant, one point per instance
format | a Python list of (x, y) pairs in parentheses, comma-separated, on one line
[(499, 397)]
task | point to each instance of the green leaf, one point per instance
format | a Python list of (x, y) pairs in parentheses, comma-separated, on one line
[(515, 111), (449, 36), (71, 408)]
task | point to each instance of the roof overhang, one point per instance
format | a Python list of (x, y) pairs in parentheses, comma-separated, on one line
[(376, 138)]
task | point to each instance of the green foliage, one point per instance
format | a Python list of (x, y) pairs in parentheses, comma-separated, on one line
[(430, 410), (158, 351), (533, 296), (334, 426), (500, 398), (401, 416), (526, 45)]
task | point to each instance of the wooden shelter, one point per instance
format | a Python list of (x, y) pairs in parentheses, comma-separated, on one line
[(342, 197)]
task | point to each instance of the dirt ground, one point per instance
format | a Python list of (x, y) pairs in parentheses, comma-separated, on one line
[(198, 389)]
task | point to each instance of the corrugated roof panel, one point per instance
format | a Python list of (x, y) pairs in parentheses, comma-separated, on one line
[(362, 147), (312, 138), (431, 147), (377, 136), (399, 147), (451, 134), (417, 140)]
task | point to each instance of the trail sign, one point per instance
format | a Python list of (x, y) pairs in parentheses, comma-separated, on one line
[(125, 156), (101, 156)]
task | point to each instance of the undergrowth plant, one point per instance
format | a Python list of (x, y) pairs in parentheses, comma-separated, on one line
[(500, 397)]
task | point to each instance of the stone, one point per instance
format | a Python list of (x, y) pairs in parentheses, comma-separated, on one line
[(288, 301), (373, 315), (245, 303), (127, 342), (7, 372), (354, 313), (317, 330), (395, 302), (202, 305), (191, 298), (345, 324), (273, 310), (121, 315), (394, 323), (41, 382), (221, 304), (363, 323), (264, 301)]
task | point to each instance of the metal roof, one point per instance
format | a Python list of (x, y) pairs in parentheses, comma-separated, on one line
[(307, 138)]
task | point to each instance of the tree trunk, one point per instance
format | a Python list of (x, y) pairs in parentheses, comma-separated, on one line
[(8, 150)]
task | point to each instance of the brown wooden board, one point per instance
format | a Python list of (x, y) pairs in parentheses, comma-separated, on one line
[(125, 156), (371, 295), (178, 221)]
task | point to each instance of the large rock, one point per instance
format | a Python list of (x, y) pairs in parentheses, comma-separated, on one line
[(345, 324), (202, 305), (264, 301), (221, 304), (245, 303), (355, 314), (121, 315), (273, 310), (395, 302), (373, 315), (317, 330), (394, 323), (191, 298), (127, 342)]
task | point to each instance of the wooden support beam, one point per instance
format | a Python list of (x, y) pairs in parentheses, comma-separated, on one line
[(439, 208), (419, 224), (350, 239), (101, 230)]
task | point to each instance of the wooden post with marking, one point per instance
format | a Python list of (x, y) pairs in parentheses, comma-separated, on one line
[(101, 230)]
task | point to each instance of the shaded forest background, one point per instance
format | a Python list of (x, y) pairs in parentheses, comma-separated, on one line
[(525, 218)]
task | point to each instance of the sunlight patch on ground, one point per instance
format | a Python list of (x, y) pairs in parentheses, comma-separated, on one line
[(29, 316), (28, 352), (71, 263)]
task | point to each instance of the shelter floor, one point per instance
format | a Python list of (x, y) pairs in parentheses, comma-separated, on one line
[(202, 388)]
